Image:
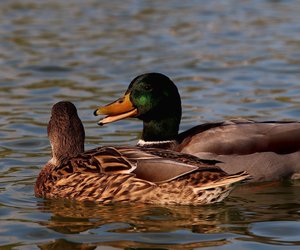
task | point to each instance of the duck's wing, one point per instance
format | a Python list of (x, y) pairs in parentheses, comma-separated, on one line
[(153, 165), (158, 166), (241, 137), (107, 160)]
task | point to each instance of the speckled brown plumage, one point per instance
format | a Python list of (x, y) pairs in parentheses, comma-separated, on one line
[(126, 174)]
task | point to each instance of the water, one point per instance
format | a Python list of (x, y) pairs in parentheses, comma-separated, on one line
[(228, 58)]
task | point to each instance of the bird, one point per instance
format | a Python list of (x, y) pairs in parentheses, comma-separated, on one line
[(267, 150), (113, 174)]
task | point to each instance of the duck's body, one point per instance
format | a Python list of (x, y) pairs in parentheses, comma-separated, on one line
[(266, 150), (123, 174)]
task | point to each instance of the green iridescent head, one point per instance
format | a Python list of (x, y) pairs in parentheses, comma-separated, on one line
[(153, 98)]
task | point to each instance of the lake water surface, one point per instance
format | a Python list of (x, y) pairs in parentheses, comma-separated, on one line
[(229, 59)]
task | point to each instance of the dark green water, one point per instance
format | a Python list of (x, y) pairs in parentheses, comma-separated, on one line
[(228, 58)]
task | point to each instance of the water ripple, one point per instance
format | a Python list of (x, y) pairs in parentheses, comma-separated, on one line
[(229, 59)]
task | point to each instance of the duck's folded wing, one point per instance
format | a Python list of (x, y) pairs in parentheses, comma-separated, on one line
[(165, 170), (100, 160), (244, 137), (110, 160)]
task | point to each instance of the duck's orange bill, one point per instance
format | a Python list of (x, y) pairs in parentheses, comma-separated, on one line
[(117, 110)]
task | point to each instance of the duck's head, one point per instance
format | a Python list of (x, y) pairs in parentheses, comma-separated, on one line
[(65, 132), (153, 98)]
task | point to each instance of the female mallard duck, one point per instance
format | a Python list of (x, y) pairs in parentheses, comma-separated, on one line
[(266, 150), (123, 174)]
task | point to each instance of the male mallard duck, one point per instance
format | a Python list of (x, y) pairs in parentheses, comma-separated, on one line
[(266, 150), (125, 174)]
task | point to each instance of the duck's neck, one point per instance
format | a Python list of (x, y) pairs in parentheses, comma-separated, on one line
[(160, 130), (66, 149)]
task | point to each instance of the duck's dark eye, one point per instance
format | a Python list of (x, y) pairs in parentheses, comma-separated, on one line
[(147, 87)]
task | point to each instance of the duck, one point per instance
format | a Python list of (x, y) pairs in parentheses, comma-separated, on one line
[(267, 150), (113, 174)]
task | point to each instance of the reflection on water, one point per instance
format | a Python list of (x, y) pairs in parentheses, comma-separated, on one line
[(229, 59), (249, 215)]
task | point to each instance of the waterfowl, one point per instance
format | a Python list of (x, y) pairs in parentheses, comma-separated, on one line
[(268, 151), (124, 174)]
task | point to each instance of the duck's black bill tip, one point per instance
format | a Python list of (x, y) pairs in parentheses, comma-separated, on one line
[(100, 123)]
